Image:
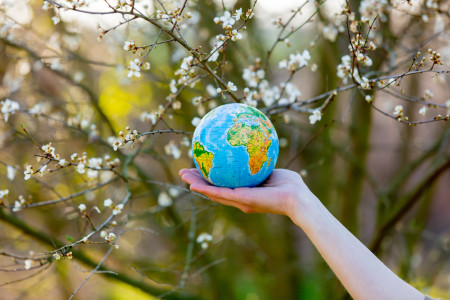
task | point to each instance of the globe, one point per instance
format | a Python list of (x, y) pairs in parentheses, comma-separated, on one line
[(235, 145)]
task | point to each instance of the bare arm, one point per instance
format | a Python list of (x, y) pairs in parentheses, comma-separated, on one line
[(363, 275)]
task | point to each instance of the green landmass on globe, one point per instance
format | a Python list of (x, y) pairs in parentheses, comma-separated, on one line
[(203, 158)]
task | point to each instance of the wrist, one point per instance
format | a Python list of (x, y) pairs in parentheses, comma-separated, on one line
[(304, 207)]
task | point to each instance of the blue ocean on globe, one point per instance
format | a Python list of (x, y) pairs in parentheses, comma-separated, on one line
[(235, 145)]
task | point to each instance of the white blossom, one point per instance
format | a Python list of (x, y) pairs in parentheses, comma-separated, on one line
[(292, 92), (236, 35), (56, 65), (330, 32), (297, 60), (214, 54), (173, 86), (231, 86), (80, 168), (172, 149), (423, 110), (187, 63), (110, 238), (117, 209), (204, 239), (10, 172), (18, 204), (237, 14), (164, 200), (134, 68), (3, 194), (46, 5), (226, 20), (269, 95), (28, 263), (56, 19), (107, 203), (38, 108), (315, 116), (195, 121), (152, 117), (28, 171), (9, 107), (174, 192), (211, 90), (128, 46), (82, 207), (398, 111)]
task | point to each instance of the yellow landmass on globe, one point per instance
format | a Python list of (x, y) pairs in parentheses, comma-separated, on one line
[(203, 158), (252, 137)]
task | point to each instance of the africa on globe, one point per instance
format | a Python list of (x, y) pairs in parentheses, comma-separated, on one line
[(235, 145)]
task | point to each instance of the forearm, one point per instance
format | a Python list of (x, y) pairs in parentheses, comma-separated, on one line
[(360, 271)]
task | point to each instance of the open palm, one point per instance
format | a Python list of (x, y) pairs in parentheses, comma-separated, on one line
[(276, 195)]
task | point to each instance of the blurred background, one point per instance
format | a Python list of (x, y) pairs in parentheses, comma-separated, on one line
[(385, 180)]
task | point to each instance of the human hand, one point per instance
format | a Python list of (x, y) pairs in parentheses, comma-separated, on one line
[(281, 193)]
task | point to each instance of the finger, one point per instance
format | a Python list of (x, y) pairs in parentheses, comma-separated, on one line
[(193, 177), (237, 205), (183, 171), (212, 191)]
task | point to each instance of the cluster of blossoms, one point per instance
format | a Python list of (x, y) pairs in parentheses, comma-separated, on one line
[(130, 137), (135, 68), (186, 73), (296, 61), (109, 237), (65, 5), (9, 107), (227, 20), (84, 124), (116, 209), (19, 203), (172, 149), (130, 46), (3, 194), (123, 3), (344, 69), (152, 116), (164, 200), (359, 48), (82, 208), (370, 9), (204, 239), (28, 263), (315, 116), (59, 255), (399, 113), (435, 57), (259, 89), (39, 108), (173, 16), (93, 165)]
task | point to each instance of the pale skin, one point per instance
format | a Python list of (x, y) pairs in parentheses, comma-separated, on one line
[(363, 275)]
